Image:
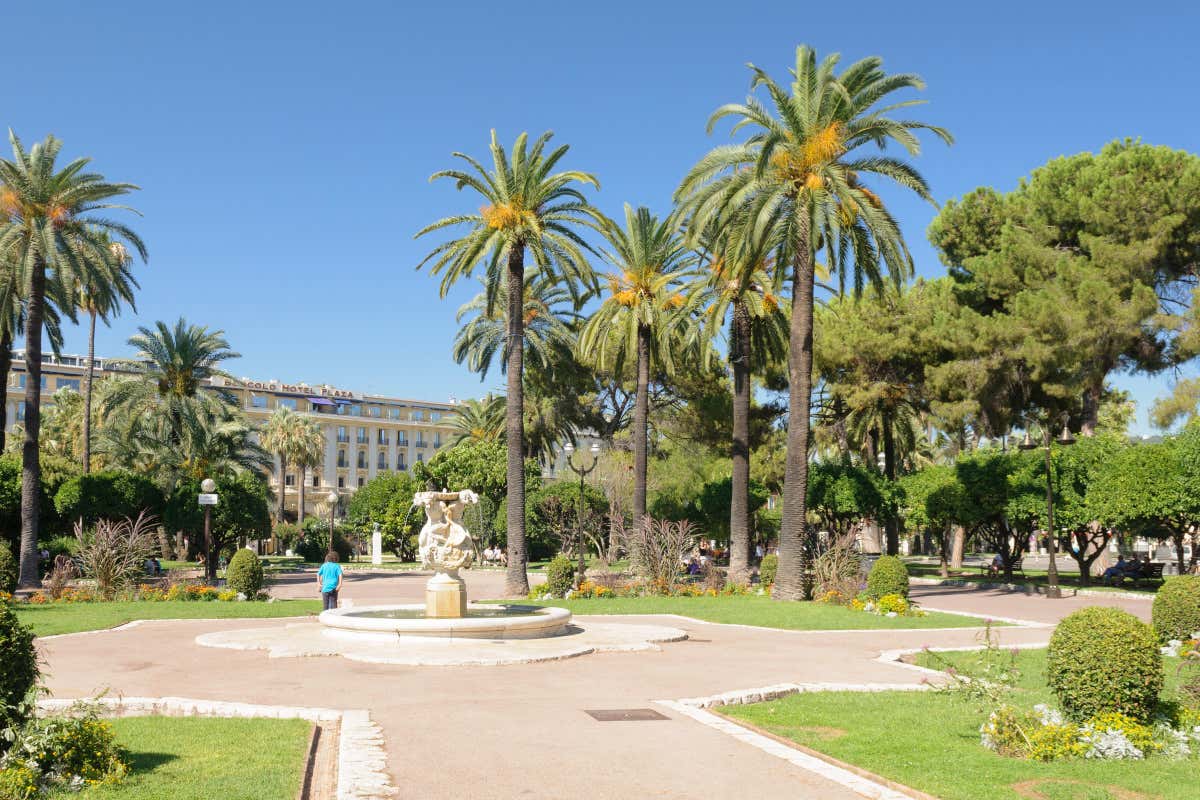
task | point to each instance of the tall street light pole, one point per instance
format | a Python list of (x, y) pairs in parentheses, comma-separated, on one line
[(1065, 439), (333, 500), (208, 499), (582, 472)]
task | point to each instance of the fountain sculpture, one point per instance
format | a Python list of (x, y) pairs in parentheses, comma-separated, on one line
[(445, 548)]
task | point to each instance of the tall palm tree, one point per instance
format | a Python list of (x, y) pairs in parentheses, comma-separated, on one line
[(103, 300), (49, 226), (799, 169), (641, 318), (531, 209), (280, 435), (737, 281), (309, 454), (479, 420)]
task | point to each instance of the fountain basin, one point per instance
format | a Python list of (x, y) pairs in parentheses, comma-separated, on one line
[(482, 622)]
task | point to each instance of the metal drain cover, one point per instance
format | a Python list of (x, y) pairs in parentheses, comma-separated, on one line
[(624, 714)]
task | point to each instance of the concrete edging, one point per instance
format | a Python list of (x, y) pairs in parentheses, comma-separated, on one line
[(1024, 588)]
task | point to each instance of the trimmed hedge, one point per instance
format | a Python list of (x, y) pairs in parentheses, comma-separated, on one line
[(1104, 660), (245, 573), (1176, 612), (888, 576), (768, 568), (560, 575), (20, 665), (9, 569)]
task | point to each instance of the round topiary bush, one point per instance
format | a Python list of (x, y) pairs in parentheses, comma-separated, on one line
[(560, 575), (20, 672), (245, 573), (1176, 613), (9, 571), (1104, 660), (888, 576), (767, 569)]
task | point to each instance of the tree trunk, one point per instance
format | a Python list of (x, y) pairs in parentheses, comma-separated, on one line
[(516, 581), (1177, 535), (944, 547), (87, 395), (792, 579), (279, 518), (300, 495), (641, 424), (890, 523), (959, 541), (6, 343), (739, 506), (1091, 409), (31, 474)]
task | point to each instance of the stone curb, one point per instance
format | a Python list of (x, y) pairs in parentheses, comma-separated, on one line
[(362, 758), (1025, 588)]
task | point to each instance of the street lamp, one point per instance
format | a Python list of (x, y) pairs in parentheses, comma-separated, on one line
[(1065, 439), (333, 499), (582, 472), (208, 499)]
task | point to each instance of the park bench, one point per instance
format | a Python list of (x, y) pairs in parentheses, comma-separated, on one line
[(1018, 567), (1153, 572)]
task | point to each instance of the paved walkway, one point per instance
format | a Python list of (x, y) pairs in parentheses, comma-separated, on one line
[(522, 731)]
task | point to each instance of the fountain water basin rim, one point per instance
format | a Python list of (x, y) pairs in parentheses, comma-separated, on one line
[(487, 622)]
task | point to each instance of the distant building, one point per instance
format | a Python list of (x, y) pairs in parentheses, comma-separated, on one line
[(365, 434)]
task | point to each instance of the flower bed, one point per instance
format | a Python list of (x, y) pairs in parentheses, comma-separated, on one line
[(592, 589), (195, 592)]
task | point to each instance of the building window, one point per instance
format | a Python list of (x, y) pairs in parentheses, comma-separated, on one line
[(437, 439), (342, 458), (418, 415), (286, 402), (382, 436), (341, 482), (21, 381), (362, 435), (362, 459), (382, 460), (360, 483), (400, 465), (258, 401), (316, 480), (420, 438), (434, 416), (420, 457), (355, 410), (342, 436), (289, 480), (21, 411), (393, 413), (69, 383), (402, 438), (373, 411)]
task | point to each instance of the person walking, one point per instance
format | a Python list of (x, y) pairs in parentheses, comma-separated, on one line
[(329, 578)]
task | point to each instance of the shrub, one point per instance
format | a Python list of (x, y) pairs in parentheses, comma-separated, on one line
[(9, 571), (1056, 741), (1176, 612), (888, 576), (18, 783), (20, 672), (1104, 660), (768, 568), (837, 569), (288, 535), (560, 575), (1007, 729), (245, 573), (114, 553), (62, 546), (75, 749), (315, 543)]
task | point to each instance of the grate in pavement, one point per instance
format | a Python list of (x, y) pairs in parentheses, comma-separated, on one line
[(624, 714)]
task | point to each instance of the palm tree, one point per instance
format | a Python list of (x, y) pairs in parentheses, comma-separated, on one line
[(738, 281), (479, 420), (48, 228), (640, 319), (103, 300), (309, 454), (798, 170), (280, 435), (528, 208)]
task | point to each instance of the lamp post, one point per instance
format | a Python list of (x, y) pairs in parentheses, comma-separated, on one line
[(1065, 439), (208, 499), (333, 500), (582, 472)]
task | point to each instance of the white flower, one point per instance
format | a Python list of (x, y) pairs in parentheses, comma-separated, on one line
[(1048, 715), (1109, 743)]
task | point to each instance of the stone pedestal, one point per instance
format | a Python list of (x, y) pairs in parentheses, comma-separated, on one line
[(445, 596), (376, 547)]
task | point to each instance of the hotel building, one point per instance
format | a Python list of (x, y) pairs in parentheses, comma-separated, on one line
[(365, 434)]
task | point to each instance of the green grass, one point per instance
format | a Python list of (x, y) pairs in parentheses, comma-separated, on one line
[(760, 611), (182, 758), (1033, 577), (875, 731), (49, 620)]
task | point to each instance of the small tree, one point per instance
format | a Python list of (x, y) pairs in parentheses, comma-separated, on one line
[(934, 499), (387, 501), (842, 494), (657, 548), (114, 554), (987, 480)]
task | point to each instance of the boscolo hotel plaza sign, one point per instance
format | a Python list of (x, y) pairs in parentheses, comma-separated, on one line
[(301, 388)]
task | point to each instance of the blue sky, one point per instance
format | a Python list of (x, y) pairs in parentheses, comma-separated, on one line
[(284, 148)]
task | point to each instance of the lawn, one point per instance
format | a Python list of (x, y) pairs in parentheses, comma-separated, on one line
[(1036, 577), (874, 731), (193, 758), (56, 618), (761, 611)]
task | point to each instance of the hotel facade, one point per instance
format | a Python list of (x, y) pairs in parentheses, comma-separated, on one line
[(365, 434)]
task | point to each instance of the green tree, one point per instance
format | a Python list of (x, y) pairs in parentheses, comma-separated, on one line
[(51, 230), (841, 494), (387, 501), (294, 440), (528, 208), (56, 470), (111, 494), (799, 170), (479, 420), (639, 320), (933, 499), (481, 467), (243, 513)]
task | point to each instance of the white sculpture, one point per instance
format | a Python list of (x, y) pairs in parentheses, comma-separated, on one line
[(445, 545)]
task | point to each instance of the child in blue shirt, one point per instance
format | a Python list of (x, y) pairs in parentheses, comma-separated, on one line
[(329, 578)]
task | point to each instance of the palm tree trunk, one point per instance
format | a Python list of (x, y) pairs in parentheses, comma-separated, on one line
[(31, 474), (516, 581), (739, 506), (282, 488), (300, 498), (87, 395), (6, 342), (890, 523), (792, 580), (641, 424)]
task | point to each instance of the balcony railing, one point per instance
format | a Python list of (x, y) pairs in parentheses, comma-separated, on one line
[(343, 439)]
